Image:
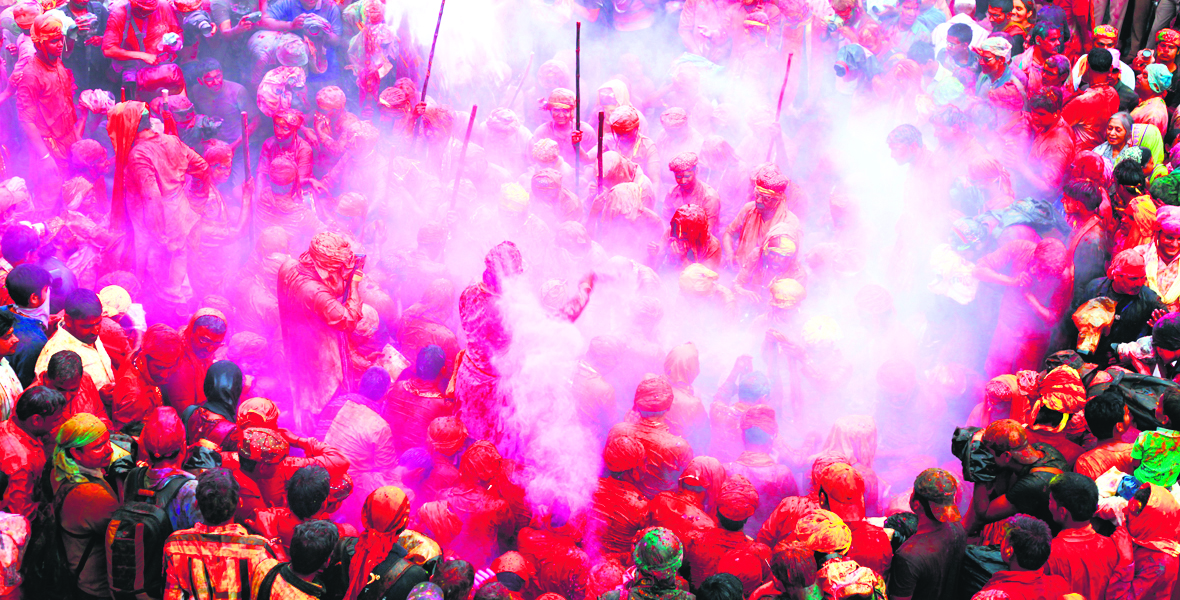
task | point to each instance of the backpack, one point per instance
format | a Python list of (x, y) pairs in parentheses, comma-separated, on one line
[(135, 538), (1141, 393), (386, 574), (45, 567)]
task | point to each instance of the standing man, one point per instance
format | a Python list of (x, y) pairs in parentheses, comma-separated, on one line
[(927, 564), (45, 104), (315, 317), (10, 385), (162, 174), (1079, 554), (28, 286), (23, 438)]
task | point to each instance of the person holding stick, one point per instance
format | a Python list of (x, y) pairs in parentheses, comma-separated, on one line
[(560, 127)]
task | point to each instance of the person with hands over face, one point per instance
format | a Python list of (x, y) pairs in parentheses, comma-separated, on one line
[(1023, 473)]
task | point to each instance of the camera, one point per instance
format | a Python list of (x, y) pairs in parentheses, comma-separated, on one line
[(314, 27), (197, 23)]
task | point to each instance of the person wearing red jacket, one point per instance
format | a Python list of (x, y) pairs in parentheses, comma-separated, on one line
[(665, 453), (618, 510), (683, 511), (737, 502), (483, 516)]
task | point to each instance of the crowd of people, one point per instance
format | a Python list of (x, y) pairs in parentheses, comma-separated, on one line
[(801, 299)]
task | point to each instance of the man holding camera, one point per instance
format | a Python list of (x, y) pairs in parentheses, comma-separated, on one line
[(319, 304), (318, 22)]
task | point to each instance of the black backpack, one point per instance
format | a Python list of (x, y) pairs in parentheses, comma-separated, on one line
[(45, 567), (135, 538)]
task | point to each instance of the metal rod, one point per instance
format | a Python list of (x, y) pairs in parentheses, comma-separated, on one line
[(601, 120)]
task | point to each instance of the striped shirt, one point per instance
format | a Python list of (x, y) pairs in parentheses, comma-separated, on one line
[(212, 563)]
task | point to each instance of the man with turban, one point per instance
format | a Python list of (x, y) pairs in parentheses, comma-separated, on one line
[(997, 81), (736, 503), (162, 178), (45, 102), (319, 302), (690, 190), (1160, 257), (385, 514), (1056, 417), (593, 394), (546, 188), (1137, 305), (87, 501), (618, 510), (560, 128), (772, 480), (288, 144), (330, 122), (137, 389), (624, 137), (743, 240), (665, 454)]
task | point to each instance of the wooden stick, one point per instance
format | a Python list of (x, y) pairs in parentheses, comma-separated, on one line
[(463, 157), (430, 63), (778, 113), (577, 103), (601, 120)]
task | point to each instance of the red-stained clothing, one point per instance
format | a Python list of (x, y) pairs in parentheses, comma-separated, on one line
[(870, 546), (158, 168), (116, 342), (1053, 152), (618, 511), (443, 476), (298, 150), (480, 400), (136, 394), (209, 560), (416, 333), (280, 522), (1058, 440), (1111, 453), (22, 459), (205, 424), (749, 231), (45, 98), (705, 550), (1085, 559), (1028, 585), (703, 196), (687, 418), (249, 495), (772, 481), (1151, 575), (561, 565), (1022, 335), (312, 317), (783, 518), (666, 455), (485, 518), (85, 400), (680, 513), (1088, 114), (315, 452), (145, 36), (186, 386), (412, 404)]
